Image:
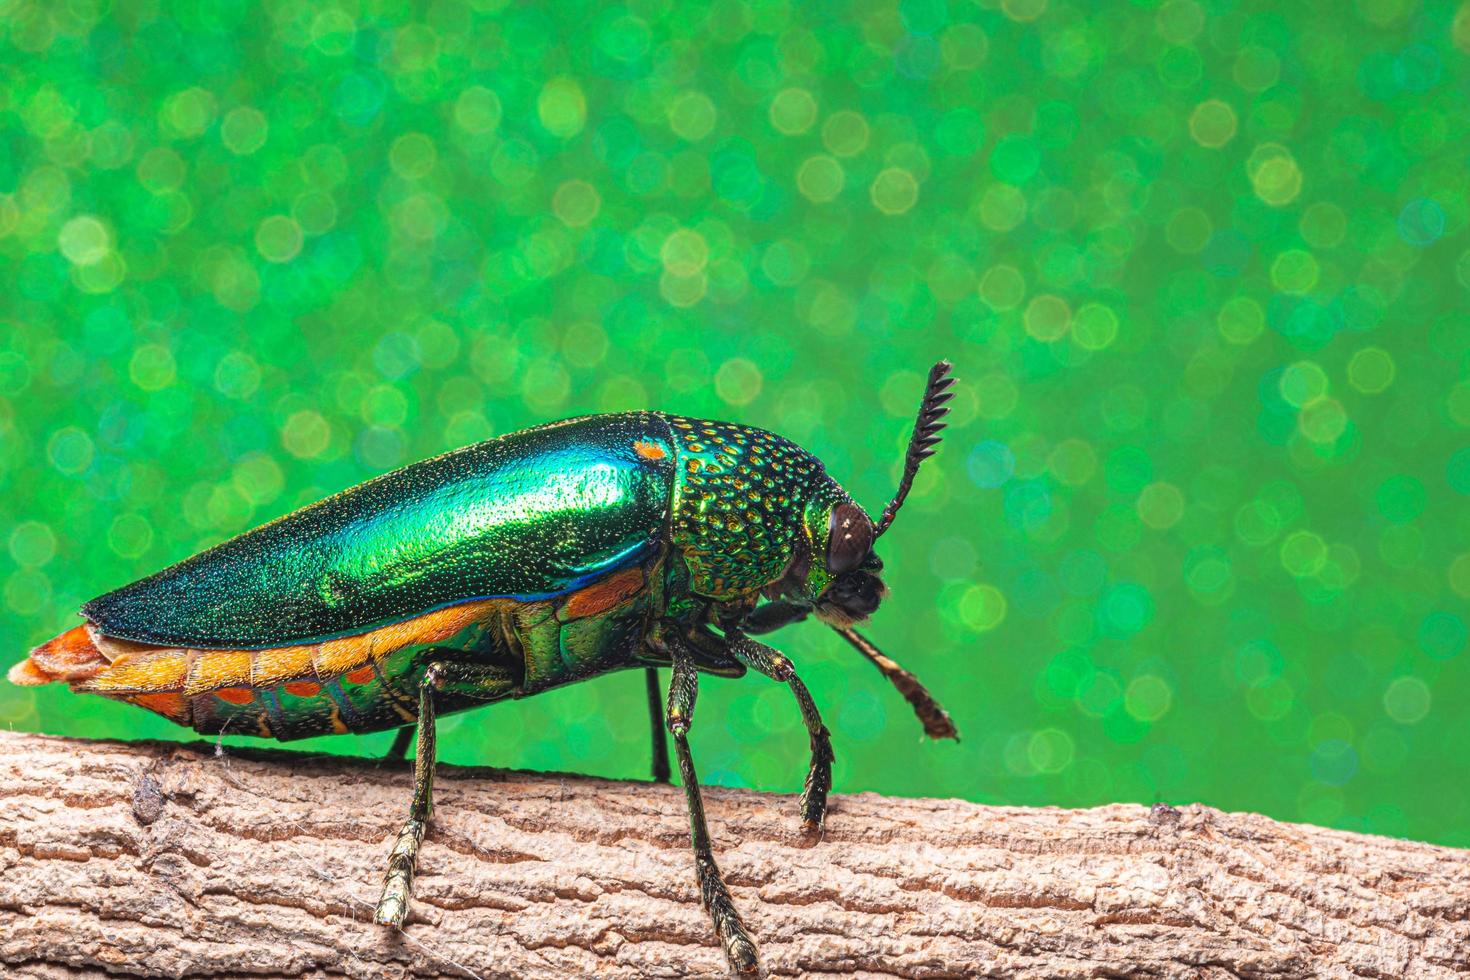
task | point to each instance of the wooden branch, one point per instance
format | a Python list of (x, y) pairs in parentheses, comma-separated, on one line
[(165, 860)]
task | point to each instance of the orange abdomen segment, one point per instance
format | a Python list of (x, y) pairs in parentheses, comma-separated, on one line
[(331, 687), (72, 656), (80, 656)]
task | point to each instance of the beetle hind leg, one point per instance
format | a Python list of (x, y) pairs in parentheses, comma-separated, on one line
[(439, 678), (683, 686), (398, 882)]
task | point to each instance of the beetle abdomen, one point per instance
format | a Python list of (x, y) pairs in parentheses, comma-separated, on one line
[(361, 683)]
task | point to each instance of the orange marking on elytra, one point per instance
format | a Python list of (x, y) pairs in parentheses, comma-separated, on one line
[(304, 689), (649, 450), (601, 596), (235, 695)]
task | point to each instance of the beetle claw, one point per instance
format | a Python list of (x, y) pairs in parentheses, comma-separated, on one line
[(741, 953)]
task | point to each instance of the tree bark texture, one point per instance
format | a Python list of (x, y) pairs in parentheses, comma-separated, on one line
[(157, 859)]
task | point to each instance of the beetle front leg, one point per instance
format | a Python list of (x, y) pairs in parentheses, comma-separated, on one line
[(461, 678), (771, 616), (777, 666), (683, 688)]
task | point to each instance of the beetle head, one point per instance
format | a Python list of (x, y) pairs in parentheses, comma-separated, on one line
[(844, 583)]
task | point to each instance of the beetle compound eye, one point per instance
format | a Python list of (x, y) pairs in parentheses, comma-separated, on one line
[(849, 538)]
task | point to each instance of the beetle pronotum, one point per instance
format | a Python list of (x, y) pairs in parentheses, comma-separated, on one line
[(501, 570)]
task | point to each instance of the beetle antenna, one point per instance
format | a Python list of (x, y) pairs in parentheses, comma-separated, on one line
[(925, 437)]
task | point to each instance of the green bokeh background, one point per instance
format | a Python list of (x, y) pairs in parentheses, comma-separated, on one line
[(1199, 531)]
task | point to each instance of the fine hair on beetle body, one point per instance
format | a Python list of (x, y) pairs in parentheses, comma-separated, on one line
[(640, 540)]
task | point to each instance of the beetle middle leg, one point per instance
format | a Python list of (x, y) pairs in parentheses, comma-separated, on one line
[(656, 716), (401, 742), (472, 679), (683, 687)]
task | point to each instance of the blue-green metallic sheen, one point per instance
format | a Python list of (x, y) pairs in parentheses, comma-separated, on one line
[(530, 515)]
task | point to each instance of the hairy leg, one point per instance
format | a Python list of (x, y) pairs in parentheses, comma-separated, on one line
[(461, 678), (683, 688), (398, 882)]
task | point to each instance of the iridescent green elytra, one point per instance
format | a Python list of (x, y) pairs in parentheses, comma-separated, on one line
[(501, 570)]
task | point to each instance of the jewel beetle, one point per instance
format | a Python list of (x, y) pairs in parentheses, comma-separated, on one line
[(503, 569)]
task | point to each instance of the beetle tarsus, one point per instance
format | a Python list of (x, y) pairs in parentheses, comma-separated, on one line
[(739, 947), (683, 689), (819, 773), (398, 883), (467, 680)]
